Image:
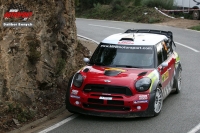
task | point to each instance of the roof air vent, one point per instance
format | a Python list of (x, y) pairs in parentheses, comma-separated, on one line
[(128, 38)]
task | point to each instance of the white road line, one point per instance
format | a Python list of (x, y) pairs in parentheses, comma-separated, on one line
[(105, 26), (124, 30), (87, 38), (59, 124), (195, 129), (187, 47)]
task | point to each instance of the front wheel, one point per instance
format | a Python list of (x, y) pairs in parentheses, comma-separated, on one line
[(67, 102), (158, 102), (196, 15)]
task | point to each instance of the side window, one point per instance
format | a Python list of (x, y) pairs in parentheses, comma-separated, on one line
[(166, 50)]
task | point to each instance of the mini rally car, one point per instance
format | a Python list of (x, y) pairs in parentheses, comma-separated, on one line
[(128, 75)]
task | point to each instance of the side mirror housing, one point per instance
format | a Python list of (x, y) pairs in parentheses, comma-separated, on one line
[(86, 60), (164, 64)]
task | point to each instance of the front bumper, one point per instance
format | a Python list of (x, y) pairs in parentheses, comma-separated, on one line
[(126, 113)]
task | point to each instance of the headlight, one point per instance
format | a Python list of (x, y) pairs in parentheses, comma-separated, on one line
[(78, 80), (143, 84)]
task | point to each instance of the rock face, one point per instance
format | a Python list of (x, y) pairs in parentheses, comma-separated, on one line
[(35, 61)]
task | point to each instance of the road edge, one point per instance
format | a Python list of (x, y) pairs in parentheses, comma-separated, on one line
[(39, 121)]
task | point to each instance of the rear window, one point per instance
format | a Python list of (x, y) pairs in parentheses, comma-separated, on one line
[(123, 56)]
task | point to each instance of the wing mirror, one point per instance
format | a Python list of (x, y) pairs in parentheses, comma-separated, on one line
[(164, 64), (86, 60)]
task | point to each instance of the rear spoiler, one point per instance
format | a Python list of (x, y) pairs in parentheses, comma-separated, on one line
[(168, 34)]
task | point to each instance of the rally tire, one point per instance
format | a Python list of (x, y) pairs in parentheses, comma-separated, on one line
[(67, 103), (158, 101), (177, 83)]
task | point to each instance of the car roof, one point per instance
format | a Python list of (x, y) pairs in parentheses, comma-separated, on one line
[(135, 38)]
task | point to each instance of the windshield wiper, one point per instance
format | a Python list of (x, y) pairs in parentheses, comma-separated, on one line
[(128, 66)]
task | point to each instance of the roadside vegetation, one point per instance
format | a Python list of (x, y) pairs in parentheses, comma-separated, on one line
[(123, 10), (141, 11), (196, 27)]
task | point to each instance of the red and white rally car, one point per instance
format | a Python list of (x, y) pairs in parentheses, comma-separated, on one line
[(128, 75)]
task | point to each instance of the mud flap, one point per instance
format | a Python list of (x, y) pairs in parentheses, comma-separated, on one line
[(150, 109)]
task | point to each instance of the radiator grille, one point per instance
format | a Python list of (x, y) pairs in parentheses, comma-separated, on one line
[(108, 89)]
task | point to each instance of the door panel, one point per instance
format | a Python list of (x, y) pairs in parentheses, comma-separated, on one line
[(166, 73)]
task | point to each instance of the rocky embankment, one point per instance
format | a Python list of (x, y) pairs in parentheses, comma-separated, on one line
[(36, 62)]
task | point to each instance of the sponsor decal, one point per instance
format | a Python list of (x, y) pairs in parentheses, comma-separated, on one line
[(74, 92), (17, 15), (143, 97), (73, 96), (140, 101), (125, 42), (115, 69), (105, 98), (166, 90), (107, 81), (177, 59), (128, 47), (153, 76), (165, 76)]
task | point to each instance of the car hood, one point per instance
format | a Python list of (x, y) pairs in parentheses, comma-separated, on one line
[(112, 75)]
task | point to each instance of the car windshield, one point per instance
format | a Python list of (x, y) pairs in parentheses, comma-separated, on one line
[(129, 56)]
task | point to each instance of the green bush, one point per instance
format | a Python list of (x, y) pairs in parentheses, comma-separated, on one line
[(166, 4), (137, 2), (97, 7), (153, 20), (117, 5), (88, 4)]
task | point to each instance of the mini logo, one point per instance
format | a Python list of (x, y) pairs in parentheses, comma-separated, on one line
[(17, 16), (88, 89), (107, 81)]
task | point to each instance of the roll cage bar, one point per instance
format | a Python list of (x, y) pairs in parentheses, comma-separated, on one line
[(168, 34)]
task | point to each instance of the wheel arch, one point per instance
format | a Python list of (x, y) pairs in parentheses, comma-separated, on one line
[(195, 7), (155, 84)]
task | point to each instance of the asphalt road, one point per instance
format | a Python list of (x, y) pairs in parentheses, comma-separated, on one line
[(180, 113)]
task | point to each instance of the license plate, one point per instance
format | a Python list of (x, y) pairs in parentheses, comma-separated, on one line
[(105, 98)]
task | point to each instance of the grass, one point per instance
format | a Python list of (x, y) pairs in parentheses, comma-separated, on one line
[(195, 28)]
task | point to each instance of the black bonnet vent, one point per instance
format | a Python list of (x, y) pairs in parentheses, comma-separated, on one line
[(86, 70), (111, 72), (142, 73)]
